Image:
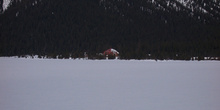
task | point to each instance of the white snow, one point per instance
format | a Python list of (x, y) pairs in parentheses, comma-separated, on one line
[(52, 84), (6, 4), (114, 51), (17, 14), (152, 1)]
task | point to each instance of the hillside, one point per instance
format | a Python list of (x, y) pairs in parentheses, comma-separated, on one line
[(168, 29)]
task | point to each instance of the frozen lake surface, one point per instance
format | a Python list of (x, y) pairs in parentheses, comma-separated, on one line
[(44, 84)]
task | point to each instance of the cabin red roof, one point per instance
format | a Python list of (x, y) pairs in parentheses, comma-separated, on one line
[(111, 51)]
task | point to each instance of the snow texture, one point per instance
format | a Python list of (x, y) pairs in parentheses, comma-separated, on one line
[(44, 84), (114, 51), (6, 4)]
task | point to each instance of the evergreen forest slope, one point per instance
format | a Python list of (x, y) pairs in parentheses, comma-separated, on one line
[(138, 29)]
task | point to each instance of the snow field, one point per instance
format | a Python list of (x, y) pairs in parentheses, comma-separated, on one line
[(43, 84)]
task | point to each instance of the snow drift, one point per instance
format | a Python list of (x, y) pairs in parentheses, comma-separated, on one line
[(36, 84)]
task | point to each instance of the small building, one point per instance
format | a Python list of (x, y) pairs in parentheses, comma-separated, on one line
[(111, 53)]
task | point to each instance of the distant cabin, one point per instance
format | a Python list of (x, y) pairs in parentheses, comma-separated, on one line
[(111, 52)]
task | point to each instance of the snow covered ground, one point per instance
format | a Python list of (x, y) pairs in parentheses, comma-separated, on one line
[(44, 84)]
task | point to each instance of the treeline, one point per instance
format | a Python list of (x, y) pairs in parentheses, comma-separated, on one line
[(71, 27)]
